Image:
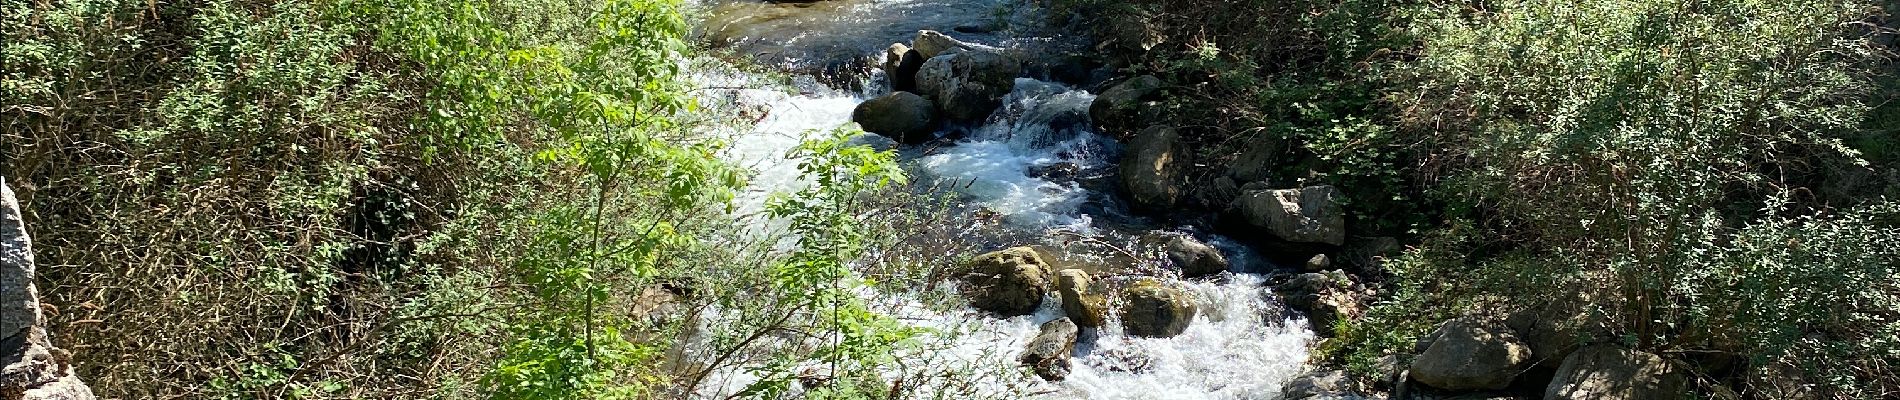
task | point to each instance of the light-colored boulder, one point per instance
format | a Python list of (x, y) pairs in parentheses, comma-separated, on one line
[(929, 43), (1083, 307), (901, 116), (1310, 214), (968, 85), (1154, 168), (1471, 355), (1608, 372), (1048, 353), (1008, 282), (1153, 309)]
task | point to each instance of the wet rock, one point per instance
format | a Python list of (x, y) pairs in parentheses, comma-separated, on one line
[(1607, 372), (968, 85), (1119, 109), (1471, 355), (1124, 360), (1320, 385), (1306, 215), (1195, 259), (1084, 308), (900, 67), (1009, 282), (1057, 172), (30, 367), (872, 140), (1153, 309), (1048, 353), (1153, 167), (1326, 297), (902, 116)]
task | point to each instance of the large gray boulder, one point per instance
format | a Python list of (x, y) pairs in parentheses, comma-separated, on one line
[(1119, 109), (1151, 308), (901, 116), (1048, 353), (967, 85), (1009, 282), (1195, 259), (30, 367), (1471, 355), (1154, 168), (1607, 372), (1078, 302), (1310, 214)]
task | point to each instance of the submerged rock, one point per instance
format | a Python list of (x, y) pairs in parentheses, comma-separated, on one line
[(1327, 298), (1153, 309), (902, 116), (1607, 372), (1048, 353), (1119, 109), (1470, 355), (1306, 215), (1153, 168), (968, 85), (1009, 282), (1084, 308), (1195, 259)]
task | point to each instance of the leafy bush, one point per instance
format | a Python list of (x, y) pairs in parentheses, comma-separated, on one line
[(1621, 149)]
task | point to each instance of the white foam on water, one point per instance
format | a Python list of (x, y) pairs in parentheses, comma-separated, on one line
[(1240, 345), (1039, 126)]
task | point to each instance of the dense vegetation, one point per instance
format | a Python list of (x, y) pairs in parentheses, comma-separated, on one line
[(412, 198), (406, 199), (1712, 180)]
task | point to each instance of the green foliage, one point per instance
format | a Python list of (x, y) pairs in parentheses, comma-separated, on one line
[(1814, 294), (1620, 149), (340, 198), (853, 342)]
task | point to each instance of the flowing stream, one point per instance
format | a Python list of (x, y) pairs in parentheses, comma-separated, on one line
[(1036, 164)]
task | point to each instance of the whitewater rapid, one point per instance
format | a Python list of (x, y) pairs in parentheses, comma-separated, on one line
[(1242, 344)]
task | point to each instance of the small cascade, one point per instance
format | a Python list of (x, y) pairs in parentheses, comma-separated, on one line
[(1037, 163)]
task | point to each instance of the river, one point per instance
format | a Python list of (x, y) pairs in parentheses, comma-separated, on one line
[(1243, 344)]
